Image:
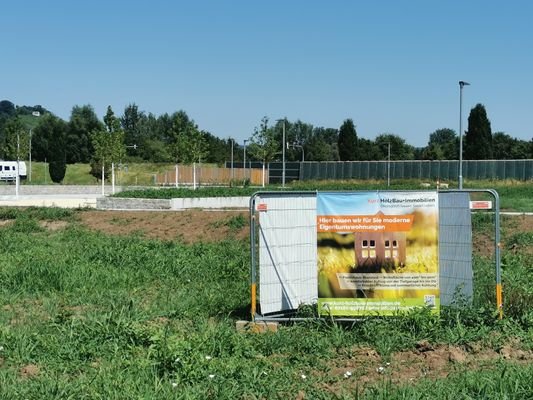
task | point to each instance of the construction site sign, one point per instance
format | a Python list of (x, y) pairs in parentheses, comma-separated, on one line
[(377, 252)]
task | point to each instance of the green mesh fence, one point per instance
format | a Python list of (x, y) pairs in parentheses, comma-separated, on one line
[(418, 169)]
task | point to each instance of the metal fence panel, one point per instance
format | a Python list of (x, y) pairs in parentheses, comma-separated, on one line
[(510, 168), (287, 251), (528, 169), (419, 169), (381, 170), (455, 246)]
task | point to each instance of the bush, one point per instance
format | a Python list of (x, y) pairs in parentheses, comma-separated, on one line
[(57, 171)]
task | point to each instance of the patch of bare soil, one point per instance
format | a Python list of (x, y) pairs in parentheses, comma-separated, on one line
[(23, 312), (360, 367), (53, 225), (483, 242), (185, 226), (523, 223), (30, 371)]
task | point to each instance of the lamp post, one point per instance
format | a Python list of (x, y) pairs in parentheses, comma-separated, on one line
[(30, 159), (17, 175), (283, 158), (245, 141), (283, 144), (232, 173), (461, 85), (388, 164), (35, 114)]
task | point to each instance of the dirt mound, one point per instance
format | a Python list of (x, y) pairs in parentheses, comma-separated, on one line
[(186, 226)]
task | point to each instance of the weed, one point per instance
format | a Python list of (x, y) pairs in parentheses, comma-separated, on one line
[(39, 213), (234, 223)]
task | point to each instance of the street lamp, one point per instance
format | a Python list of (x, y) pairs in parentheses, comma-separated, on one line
[(35, 114), (232, 143), (17, 177), (245, 141), (388, 164), (283, 153), (461, 85)]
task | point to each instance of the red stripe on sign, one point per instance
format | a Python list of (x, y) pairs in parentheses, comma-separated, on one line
[(262, 207), (480, 205)]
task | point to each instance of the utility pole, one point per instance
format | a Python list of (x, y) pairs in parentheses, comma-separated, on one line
[(388, 166), (245, 141), (461, 85)]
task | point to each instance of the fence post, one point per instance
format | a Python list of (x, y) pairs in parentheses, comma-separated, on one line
[(113, 178), (194, 176)]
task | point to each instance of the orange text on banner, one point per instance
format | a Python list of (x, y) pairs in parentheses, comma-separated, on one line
[(364, 223)]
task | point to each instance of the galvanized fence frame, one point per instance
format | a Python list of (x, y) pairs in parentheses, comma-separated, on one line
[(255, 228)]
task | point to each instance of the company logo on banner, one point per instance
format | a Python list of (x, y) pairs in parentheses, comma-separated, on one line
[(377, 252)]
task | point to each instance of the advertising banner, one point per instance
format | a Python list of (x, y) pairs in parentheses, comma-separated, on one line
[(377, 252)]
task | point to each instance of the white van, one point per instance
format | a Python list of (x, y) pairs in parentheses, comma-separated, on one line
[(9, 169)]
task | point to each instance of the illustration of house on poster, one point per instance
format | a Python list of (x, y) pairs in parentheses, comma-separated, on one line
[(377, 252)]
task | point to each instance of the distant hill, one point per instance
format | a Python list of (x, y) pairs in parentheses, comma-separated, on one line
[(8, 109)]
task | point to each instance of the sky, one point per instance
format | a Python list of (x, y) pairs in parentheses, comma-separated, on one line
[(390, 66)]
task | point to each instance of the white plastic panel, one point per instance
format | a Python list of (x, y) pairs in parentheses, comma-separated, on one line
[(287, 251)]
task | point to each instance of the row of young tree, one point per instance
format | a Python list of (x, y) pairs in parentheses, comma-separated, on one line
[(137, 136), (134, 137), (326, 144)]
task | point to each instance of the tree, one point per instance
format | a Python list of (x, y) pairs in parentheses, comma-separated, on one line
[(299, 134), (368, 150), (7, 109), (399, 150), (108, 144), (188, 144), (49, 143), (218, 150), (131, 123), (323, 145), (347, 141), (15, 144), (180, 124), (443, 145), (155, 142), (155, 151), (263, 144), (505, 147), (83, 121), (196, 146), (478, 138)]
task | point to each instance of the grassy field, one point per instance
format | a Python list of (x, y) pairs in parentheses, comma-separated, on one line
[(514, 195), (135, 174), (86, 315)]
